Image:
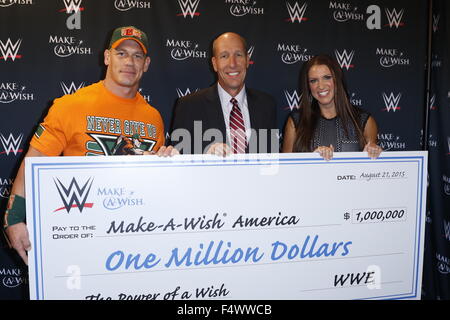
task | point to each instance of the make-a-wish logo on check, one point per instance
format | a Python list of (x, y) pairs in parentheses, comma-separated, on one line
[(75, 195), (116, 198)]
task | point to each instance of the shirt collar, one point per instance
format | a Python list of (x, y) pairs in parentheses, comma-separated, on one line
[(225, 97)]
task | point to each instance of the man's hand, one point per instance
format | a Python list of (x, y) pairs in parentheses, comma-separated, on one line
[(219, 149), (164, 151), (18, 239), (169, 151)]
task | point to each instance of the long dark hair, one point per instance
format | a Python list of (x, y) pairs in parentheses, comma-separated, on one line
[(310, 110)]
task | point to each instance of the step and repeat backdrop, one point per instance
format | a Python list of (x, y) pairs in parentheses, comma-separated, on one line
[(52, 48)]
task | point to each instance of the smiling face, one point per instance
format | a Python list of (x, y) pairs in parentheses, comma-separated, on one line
[(321, 85), (126, 65), (230, 61)]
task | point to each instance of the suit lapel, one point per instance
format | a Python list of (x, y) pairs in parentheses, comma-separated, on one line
[(253, 110), (215, 117)]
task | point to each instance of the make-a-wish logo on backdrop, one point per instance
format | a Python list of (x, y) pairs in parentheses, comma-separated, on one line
[(293, 100), (436, 61), (74, 195), (186, 92), (354, 100), (432, 140), (296, 11), (293, 53), (13, 277), (392, 57), (240, 8), (390, 141), (11, 144), (189, 8), (10, 50), (5, 187), (391, 101), (65, 46), (185, 49), (446, 180), (394, 17), (345, 58), (7, 3), (12, 91), (144, 95), (343, 12), (125, 5), (71, 88), (443, 263), (73, 8), (119, 197)]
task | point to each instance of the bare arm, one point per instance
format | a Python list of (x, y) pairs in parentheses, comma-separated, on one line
[(370, 134), (289, 136), (17, 234)]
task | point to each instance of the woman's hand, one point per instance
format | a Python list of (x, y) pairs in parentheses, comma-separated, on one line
[(325, 152), (373, 150)]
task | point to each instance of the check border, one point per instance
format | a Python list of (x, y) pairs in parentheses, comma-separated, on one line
[(37, 168)]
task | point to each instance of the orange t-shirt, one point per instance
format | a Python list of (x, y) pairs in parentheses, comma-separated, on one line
[(94, 121)]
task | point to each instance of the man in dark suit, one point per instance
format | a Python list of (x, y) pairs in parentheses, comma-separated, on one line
[(227, 117)]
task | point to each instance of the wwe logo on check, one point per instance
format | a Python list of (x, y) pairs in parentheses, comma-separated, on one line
[(394, 17), (10, 50), (189, 7), (71, 88), (11, 144), (296, 12), (345, 58), (74, 196), (72, 5), (392, 101)]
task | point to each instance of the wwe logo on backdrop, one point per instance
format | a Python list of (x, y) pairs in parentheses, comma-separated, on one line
[(74, 196), (72, 5), (11, 144), (447, 229), (250, 53), (293, 99), (189, 7), (10, 50), (72, 88), (392, 101), (296, 12), (180, 92), (436, 19), (448, 142), (345, 58), (394, 17), (432, 102)]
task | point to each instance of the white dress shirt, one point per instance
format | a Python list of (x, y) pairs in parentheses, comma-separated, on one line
[(241, 98)]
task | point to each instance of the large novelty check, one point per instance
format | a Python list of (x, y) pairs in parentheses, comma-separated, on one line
[(287, 226)]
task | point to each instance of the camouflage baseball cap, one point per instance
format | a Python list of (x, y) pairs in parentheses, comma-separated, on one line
[(129, 33)]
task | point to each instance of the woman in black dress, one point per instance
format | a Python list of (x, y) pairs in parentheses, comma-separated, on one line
[(326, 120)]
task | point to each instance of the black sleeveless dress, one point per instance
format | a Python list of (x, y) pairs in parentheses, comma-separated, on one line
[(331, 131)]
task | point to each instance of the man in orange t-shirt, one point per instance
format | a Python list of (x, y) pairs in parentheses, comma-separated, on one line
[(95, 121)]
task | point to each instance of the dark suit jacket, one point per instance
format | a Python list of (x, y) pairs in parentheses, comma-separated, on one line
[(204, 105)]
